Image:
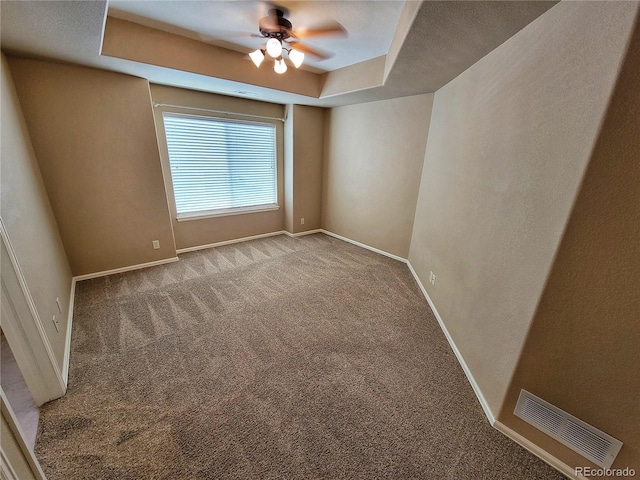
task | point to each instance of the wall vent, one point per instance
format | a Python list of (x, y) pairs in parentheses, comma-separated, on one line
[(579, 436)]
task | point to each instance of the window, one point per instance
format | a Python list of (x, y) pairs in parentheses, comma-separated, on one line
[(220, 166)]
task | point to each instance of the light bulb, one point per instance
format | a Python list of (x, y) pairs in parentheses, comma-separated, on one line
[(296, 57), (257, 57), (274, 47), (280, 66)]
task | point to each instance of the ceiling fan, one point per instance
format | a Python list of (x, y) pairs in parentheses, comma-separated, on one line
[(281, 37)]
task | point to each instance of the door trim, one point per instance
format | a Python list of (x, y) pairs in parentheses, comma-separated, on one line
[(25, 332), (6, 469)]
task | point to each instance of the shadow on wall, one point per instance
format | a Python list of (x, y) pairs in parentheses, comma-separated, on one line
[(582, 350)]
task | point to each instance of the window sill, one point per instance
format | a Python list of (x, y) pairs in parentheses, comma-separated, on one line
[(185, 217)]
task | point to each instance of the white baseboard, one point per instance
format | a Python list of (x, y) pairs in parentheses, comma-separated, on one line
[(67, 341), (6, 468), (463, 364), (302, 234), (516, 437), (465, 368), (368, 247), (124, 269), (245, 239), (57, 387), (229, 242), (72, 295), (537, 451)]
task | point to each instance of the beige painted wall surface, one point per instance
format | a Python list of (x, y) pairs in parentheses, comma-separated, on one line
[(132, 41), (509, 141), (354, 78), (288, 169), (11, 449), (583, 350), (94, 137), (373, 158), (29, 221), (308, 148), (205, 231)]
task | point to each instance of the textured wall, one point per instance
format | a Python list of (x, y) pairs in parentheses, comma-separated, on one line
[(132, 41), (373, 157), (509, 141), (94, 137), (204, 231), (288, 169), (308, 147), (11, 449), (28, 218), (583, 349)]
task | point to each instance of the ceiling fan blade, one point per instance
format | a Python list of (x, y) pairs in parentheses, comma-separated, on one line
[(311, 51), (328, 28)]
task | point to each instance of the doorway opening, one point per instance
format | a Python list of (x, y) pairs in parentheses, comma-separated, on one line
[(18, 394)]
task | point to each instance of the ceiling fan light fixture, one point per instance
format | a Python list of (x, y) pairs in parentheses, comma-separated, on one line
[(274, 47), (257, 57), (279, 35), (296, 57), (280, 66)]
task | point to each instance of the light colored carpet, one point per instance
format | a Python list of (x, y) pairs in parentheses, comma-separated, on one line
[(296, 358)]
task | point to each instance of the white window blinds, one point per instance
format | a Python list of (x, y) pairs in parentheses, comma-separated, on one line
[(220, 166)]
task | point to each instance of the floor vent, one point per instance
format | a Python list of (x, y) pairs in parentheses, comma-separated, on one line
[(579, 436)]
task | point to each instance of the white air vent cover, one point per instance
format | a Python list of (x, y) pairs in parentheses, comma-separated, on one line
[(579, 436)]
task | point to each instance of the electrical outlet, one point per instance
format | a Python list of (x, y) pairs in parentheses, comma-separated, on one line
[(432, 278), (55, 323), (302, 221), (156, 244)]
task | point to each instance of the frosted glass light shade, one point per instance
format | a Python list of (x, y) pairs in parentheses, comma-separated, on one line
[(257, 57), (296, 57), (280, 66), (274, 47)]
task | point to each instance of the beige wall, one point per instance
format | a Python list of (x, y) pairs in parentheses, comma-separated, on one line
[(193, 233), (354, 78), (373, 157), (509, 141), (132, 41), (288, 169), (94, 138), (308, 147), (583, 349), (304, 146), (11, 449), (29, 221)]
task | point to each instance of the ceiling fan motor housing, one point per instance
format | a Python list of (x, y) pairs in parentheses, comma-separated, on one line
[(275, 25)]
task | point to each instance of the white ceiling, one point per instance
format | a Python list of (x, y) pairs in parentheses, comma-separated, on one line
[(446, 37), (370, 25)]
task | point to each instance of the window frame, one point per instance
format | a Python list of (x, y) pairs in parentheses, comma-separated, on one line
[(222, 212)]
